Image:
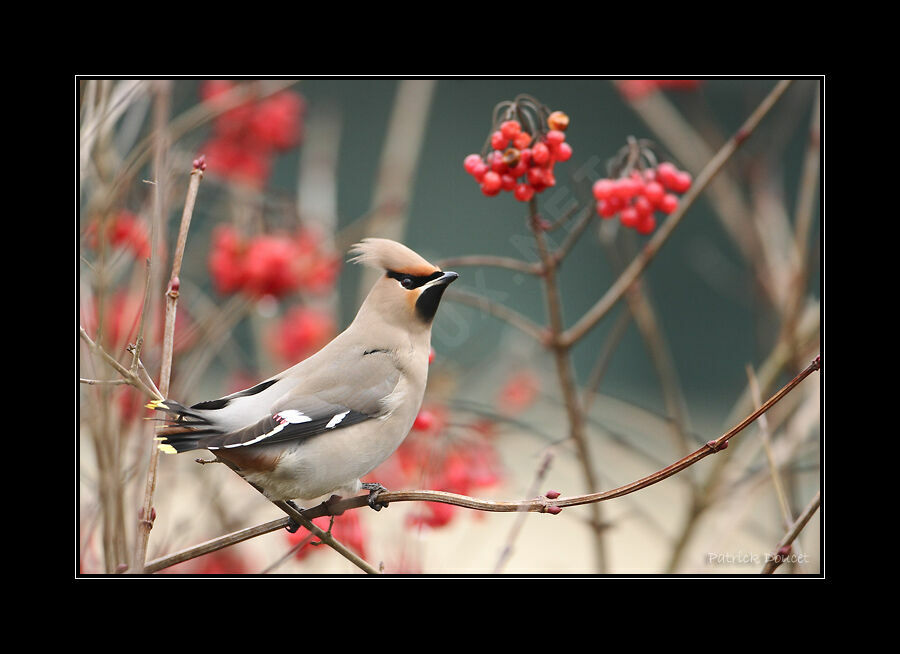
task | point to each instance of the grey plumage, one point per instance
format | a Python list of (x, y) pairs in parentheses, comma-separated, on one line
[(317, 427)]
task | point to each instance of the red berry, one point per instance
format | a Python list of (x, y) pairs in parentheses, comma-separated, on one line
[(646, 224), (519, 169), (625, 188), (471, 162), (605, 209), (522, 140), (666, 173), (564, 152), (540, 153), (498, 141), (535, 176), (495, 159), (629, 217), (643, 206), (555, 136), (603, 188), (668, 204), (424, 421), (524, 192), (510, 129), (479, 171), (681, 182), (431, 356), (507, 182), (654, 192), (491, 182), (549, 177)]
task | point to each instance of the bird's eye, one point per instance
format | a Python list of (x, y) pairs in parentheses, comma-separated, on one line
[(406, 282)]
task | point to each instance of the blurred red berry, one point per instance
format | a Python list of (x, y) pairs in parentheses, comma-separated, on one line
[(563, 152), (519, 391), (470, 163), (424, 421), (555, 137), (300, 333), (498, 141), (347, 528), (645, 224), (270, 266), (522, 140), (510, 129), (668, 204), (540, 153), (524, 192), (276, 121)]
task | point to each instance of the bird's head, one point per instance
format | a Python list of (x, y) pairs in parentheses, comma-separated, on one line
[(410, 288)]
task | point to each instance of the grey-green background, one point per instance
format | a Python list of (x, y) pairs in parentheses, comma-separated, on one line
[(713, 319)]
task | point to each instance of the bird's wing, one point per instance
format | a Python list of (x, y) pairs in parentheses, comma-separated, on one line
[(332, 402)]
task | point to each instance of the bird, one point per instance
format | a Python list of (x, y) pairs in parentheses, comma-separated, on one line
[(312, 431)]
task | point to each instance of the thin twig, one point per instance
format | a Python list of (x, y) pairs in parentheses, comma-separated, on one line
[(767, 447), (643, 259), (509, 263), (782, 549), (497, 310), (144, 526)]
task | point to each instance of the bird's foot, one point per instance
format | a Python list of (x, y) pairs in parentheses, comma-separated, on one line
[(292, 525), (374, 489)]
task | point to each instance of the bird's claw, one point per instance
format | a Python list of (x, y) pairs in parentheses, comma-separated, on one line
[(292, 526), (374, 489)]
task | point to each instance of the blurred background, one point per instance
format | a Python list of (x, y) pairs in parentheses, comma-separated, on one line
[(296, 171)]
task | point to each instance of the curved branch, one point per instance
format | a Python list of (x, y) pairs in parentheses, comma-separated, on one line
[(500, 311)]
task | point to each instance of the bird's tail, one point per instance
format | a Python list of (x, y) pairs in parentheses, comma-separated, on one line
[(183, 433)]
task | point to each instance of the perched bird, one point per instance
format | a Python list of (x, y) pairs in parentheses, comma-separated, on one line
[(313, 430)]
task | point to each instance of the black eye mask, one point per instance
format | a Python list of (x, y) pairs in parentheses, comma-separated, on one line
[(410, 282)]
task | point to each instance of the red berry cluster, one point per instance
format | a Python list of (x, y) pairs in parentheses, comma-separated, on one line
[(125, 230), (303, 331), (637, 196), (246, 137), (270, 264), (519, 163)]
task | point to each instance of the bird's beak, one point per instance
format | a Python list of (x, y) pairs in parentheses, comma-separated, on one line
[(445, 279), (430, 295)]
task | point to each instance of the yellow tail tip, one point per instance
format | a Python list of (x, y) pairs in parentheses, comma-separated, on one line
[(168, 449)]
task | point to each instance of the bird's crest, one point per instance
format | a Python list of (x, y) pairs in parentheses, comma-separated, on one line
[(390, 255)]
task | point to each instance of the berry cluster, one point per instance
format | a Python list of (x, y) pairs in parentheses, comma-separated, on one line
[(246, 137), (125, 230), (270, 264), (303, 331), (518, 161), (636, 197)]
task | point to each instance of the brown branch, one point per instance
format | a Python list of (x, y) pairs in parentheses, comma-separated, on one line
[(497, 310), (643, 259), (783, 547), (563, 360), (537, 505)]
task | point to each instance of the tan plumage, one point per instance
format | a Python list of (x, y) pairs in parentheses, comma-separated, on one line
[(314, 429)]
